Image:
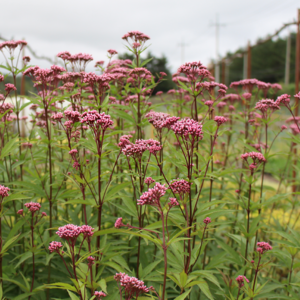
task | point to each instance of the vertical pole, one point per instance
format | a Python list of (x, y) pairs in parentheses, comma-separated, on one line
[(249, 61), (287, 60), (223, 71), (297, 75), (22, 94)]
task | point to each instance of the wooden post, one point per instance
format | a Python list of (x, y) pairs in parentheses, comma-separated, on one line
[(297, 76), (287, 60)]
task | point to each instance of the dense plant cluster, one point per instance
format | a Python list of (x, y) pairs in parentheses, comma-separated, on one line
[(114, 192)]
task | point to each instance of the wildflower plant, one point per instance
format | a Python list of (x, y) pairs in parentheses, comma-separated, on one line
[(109, 191)]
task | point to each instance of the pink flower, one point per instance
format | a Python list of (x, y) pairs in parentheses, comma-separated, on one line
[(118, 223), (173, 202), (136, 45), (99, 295), (283, 127), (99, 63), (149, 180), (4, 191), (91, 260), (188, 127), (297, 95), (55, 247), (283, 99), (207, 220), (263, 247), (10, 87), (96, 120), (220, 120), (257, 157), (153, 195), (240, 280), (112, 51), (26, 59), (132, 286), (20, 212), (33, 206), (87, 231), (180, 186), (44, 214), (69, 232)]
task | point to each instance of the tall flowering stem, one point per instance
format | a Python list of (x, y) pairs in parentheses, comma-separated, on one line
[(256, 160), (98, 123), (3, 194), (33, 208), (135, 151)]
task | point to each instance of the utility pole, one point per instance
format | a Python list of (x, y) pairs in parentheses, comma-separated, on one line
[(297, 75), (182, 45), (287, 60), (217, 63)]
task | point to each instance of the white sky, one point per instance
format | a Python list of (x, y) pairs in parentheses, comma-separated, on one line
[(94, 26)]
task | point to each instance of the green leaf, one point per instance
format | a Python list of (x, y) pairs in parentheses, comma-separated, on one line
[(183, 296), (73, 296), (9, 147), (102, 284), (205, 289)]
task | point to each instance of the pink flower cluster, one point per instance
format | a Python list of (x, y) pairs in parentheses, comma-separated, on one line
[(240, 280), (149, 180), (55, 247), (180, 186), (112, 52), (283, 99), (262, 247), (93, 118), (99, 295), (220, 120), (119, 223), (256, 156), (267, 107), (132, 286), (33, 206), (4, 191), (186, 127), (161, 120), (136, 36), (136, 150), (153, 195), (207, 220), (12, 44), (173, 202), (9, 87), (71, 232)]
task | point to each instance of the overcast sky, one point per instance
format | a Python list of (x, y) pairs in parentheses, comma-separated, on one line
[(94, 26)]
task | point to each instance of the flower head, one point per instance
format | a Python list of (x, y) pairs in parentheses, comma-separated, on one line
[(69, 232), (240, 280), (262, 247), (207, 220), (119, 223), (33, 206), (131, 285), (153, 195), (4, 191), (99, 295), (55, 247)]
